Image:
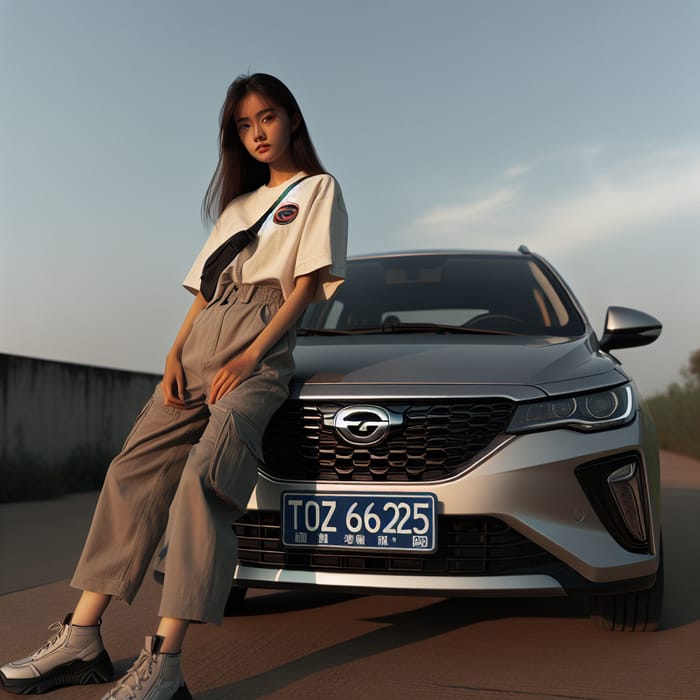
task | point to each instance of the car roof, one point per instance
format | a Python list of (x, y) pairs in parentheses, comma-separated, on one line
[(440, 251)]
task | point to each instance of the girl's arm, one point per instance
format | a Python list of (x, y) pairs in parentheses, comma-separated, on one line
[(173, 376), (239, 368)]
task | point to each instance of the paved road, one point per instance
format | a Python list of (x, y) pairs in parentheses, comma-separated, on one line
[(297, 645)]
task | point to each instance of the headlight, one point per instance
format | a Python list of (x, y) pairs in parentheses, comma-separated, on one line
[(596, 411)]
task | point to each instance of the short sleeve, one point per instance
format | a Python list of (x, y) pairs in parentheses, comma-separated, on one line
[(323, 244)]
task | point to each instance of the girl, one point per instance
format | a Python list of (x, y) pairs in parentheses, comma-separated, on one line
[(189, 465)]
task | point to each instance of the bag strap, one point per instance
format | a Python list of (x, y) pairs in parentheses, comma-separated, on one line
[(256, 226)]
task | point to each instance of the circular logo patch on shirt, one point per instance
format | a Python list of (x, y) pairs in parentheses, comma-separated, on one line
[(286, 213)]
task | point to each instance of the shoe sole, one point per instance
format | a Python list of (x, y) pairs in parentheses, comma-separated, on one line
[(97, 670)]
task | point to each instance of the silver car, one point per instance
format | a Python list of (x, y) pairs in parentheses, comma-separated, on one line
[(456, 428)]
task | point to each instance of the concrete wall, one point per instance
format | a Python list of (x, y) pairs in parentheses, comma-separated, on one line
[(51, 409)]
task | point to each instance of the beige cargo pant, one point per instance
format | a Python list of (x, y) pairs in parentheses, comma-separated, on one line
[(189, 472)]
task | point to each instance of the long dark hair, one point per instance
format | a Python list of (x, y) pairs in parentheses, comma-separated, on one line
[(237, 171)]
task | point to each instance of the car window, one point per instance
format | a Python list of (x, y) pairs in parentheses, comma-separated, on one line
[(485, 292)]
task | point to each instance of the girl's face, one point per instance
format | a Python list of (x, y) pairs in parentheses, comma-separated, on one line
[(265, 130)]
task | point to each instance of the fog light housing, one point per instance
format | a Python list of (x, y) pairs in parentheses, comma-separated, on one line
[(626, 489), (616, 489)]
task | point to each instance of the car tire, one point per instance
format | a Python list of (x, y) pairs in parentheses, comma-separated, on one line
[(234, 602), (639, 611)]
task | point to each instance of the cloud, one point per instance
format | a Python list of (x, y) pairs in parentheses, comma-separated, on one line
[(584, 154), (612, 208), (673, 154), (464, 214), (559, 205), (518, 170)]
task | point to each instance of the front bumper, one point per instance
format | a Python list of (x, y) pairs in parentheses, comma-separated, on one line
[(526, 585), (529, 483)]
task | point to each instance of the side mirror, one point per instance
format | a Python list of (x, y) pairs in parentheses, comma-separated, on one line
[(628, 328)]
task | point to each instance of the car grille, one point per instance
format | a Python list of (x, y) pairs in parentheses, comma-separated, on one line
[(434, 442), (474, 545)]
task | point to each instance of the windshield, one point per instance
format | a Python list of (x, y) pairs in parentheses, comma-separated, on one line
[(484, 293)]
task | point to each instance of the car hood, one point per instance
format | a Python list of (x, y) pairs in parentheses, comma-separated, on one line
[(517, 366)]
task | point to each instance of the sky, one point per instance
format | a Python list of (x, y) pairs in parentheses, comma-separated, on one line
[(571, 127)]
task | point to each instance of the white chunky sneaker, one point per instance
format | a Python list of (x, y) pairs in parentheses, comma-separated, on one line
[(153, 676), (73, 656)]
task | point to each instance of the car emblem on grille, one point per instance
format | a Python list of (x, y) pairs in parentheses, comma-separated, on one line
[(364, 425)]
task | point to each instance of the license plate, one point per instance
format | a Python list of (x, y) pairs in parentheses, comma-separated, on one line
[(359, 521)]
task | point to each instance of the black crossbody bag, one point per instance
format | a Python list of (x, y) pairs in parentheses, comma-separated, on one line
[(222, 257)]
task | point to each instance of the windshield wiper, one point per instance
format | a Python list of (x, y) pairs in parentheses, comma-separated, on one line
[(402, 328), (323, 331)]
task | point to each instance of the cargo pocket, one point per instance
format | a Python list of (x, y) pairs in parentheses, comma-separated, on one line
[(138, 421), (233, 471)]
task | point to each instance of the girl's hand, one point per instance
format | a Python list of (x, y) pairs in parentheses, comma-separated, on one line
[(231, 375), (173, 382)]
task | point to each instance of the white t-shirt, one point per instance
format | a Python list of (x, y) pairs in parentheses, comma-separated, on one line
[(307, 231)]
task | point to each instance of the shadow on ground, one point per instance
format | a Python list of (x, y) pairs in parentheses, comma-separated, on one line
[(402, 629)]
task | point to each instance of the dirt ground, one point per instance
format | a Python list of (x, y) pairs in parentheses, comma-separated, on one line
[(301, 645)]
